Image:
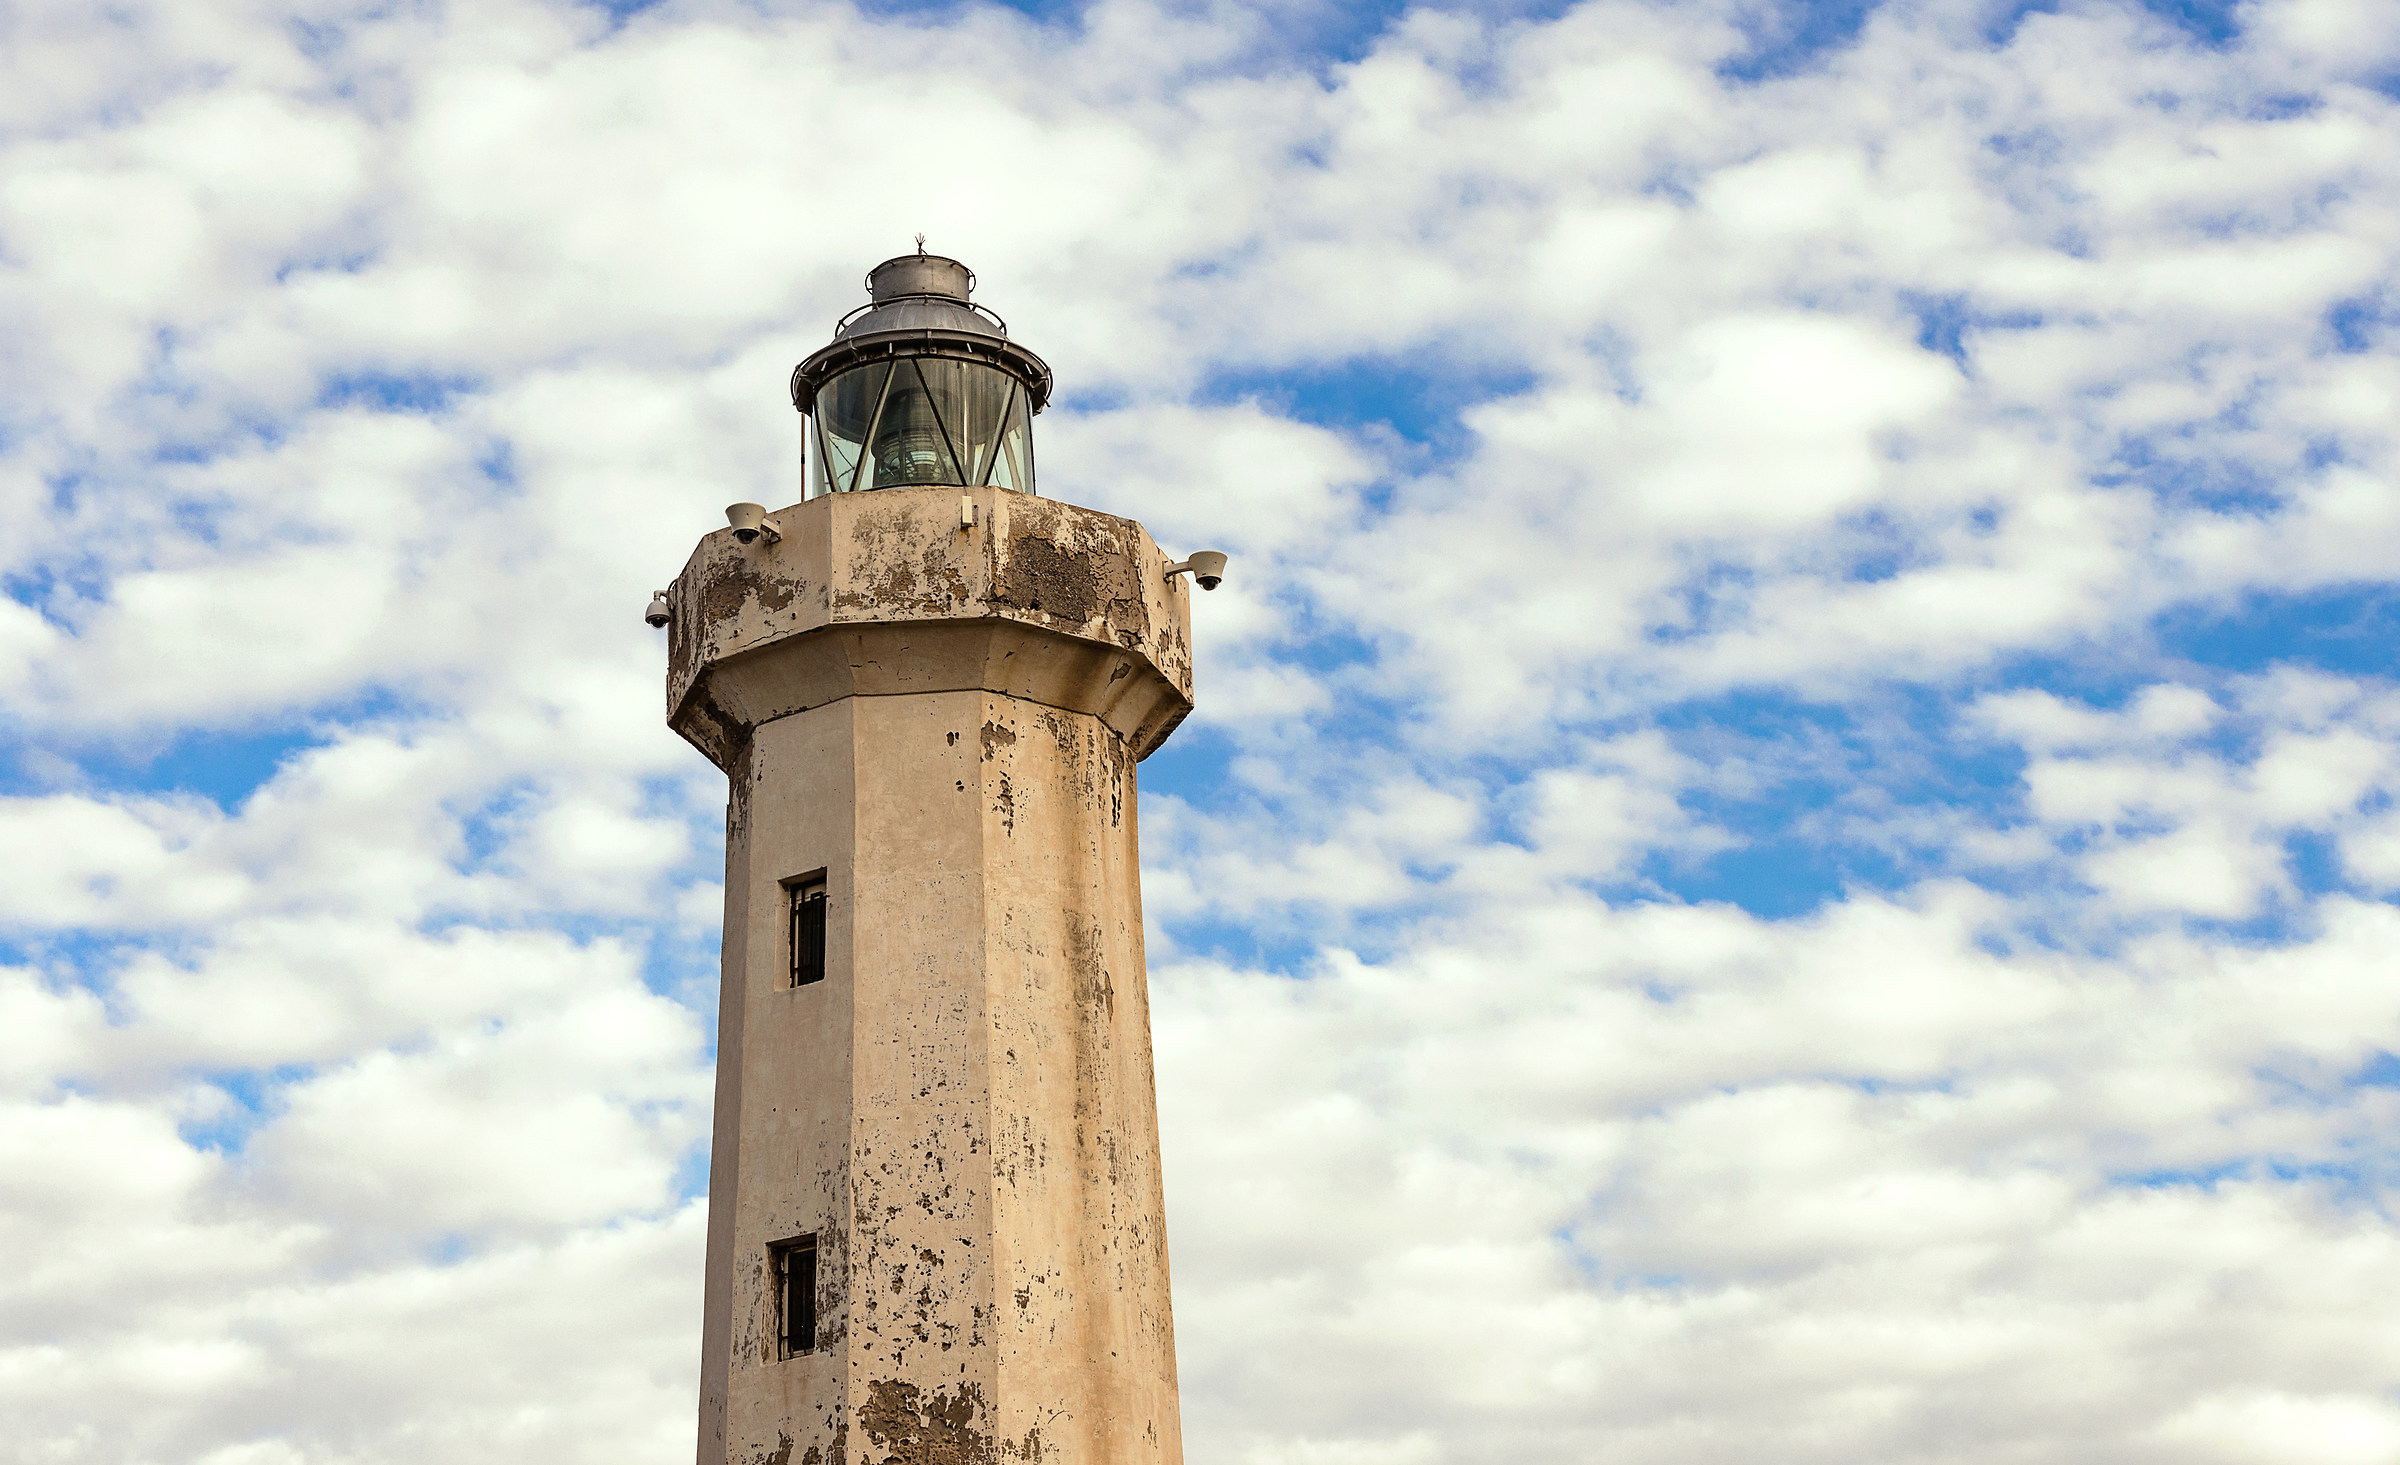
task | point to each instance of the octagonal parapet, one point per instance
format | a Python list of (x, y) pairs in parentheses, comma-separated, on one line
[(929, 590)]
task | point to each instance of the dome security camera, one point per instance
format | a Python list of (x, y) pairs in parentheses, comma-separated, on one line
[(658, 614), (749, 521), (1207, 568)]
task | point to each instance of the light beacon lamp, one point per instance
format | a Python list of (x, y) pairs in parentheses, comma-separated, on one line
[(936, 1227)]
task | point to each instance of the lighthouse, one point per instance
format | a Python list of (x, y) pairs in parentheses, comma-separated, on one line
[(936, 1228)]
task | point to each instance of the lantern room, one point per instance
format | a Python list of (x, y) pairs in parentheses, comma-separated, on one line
[(920, 386)]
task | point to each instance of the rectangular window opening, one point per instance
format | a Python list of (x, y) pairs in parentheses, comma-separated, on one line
[(808, 930), (795, 1264)]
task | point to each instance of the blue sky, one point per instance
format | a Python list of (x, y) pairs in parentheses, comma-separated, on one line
[(1793, 802)]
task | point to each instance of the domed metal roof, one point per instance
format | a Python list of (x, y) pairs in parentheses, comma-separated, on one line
[(917, 306)]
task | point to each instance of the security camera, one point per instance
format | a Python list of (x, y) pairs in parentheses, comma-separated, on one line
[(1207, 567), (658, 614), (749, 521)]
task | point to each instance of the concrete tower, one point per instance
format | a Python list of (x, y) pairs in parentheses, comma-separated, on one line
[(936, 1227)]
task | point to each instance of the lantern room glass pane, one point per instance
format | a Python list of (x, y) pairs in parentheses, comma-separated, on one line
[(845, 415), (947, 388), (1012, 466), (922, 420), (982, 396), (911, 443)]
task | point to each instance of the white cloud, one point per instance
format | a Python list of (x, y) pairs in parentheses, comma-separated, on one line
[(1859, 1163)]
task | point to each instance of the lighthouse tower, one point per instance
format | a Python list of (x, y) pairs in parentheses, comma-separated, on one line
[(936, 1227)]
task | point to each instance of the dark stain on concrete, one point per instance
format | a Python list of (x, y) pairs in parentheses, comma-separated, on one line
[(707, 602), (1120, 771), (727, 583), (1044, 578), (1087, 958), (683, 634), (1154, 732), (742, 775), (714, 731), (839, 1454), (914, 1427), (899, 567), (996, 737)]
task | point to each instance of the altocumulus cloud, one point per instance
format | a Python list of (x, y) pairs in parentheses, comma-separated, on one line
[(1791, 844)]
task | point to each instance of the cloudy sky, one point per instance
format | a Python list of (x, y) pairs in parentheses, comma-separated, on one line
[(1791, 843)]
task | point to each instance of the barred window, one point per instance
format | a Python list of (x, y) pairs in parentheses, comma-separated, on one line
[(795, 1267), (808, 930)]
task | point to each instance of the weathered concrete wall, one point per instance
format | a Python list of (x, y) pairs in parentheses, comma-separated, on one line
[(781, 1161), (1084, 1326), (963, 1110), (885, 592)]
